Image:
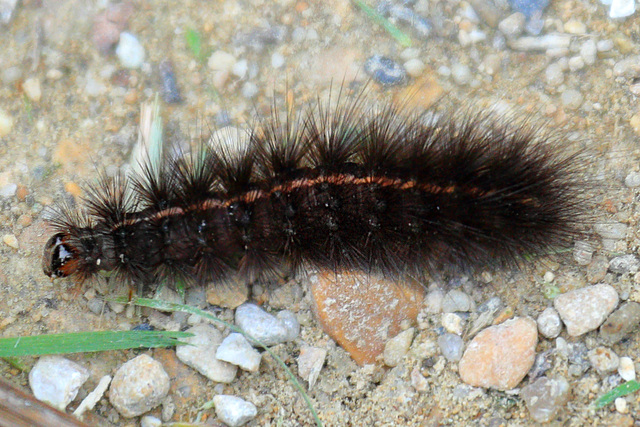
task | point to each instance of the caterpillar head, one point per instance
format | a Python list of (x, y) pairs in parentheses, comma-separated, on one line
[(60, 259)]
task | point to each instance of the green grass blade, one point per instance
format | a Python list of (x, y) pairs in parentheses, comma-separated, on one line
[(402, 38), (168, 306), (622, 390), (82, 342)]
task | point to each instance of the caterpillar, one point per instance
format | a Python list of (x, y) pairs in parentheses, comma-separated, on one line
[(339, 186)]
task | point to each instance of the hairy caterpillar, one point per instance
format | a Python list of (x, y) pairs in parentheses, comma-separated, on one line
[(337, 187)]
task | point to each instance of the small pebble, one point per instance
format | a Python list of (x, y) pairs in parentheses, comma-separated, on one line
[(627, 369), (453, 323), (500, 356), (542, 43), (576, 63), (32, 89), (632, 180), (583, 252), (622, 8), (529, 8), (149, 421), (291, 324), (549, 323), (221, 61), (584, 309), (236, 350), (277, 60), (513, 25), (545, 398), (589, 52), (138, 386), (451, 346), (397, 347), (613, 231), (129, 51), (11, 241), (6, 123), (240, 68), (620, 323), (628, 67), (234, 411), (574, 26), (554, 74), (571, 99), (621, 405), (89, 402), (249, 90), (170, 91), (414, 67), (97, 306), (201, 354), (624, 264), (604, 45), (56, 380), (385, 70), (461, 74), (310, 363), (261, 325), (604, 360), (456, 301), (433, 301)]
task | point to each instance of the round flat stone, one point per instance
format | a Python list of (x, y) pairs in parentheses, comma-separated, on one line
[(584, 309)]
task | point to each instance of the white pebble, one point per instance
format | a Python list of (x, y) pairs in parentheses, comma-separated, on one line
[(622, 8), (94, 397), (571, 98), (11, 241), (627, 369), (201, 354), (240, 68), (233, 410), (414, 67), (621, 405), (236, 350), (56, 380), (553, 74), (461, 74), (6, 123), (129, 51), (576, 63), (221, 61), (589, 51), (549, 323), (277, 60), (32, 89), (149, 421), (632, 180), (604, 45), (249, 90), (453, 323), (397, 347)]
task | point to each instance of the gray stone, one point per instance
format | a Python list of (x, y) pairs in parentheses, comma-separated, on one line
[(456, 300), (604, 360), (138, 386), (261, 325), (451, 346), (549, 323), (235, 349), (233, 410), (624, 264), (620, 323), (201, 354), (397, 347), (310, 363)]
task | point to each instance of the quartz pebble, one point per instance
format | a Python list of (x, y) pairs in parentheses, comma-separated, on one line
[(138, 386), (622, 8), (604, 360), (414, 67), (627, 369), (149, 421), (545, 398), (433, 301), (621, 405), (261, 325), (451, 346), (461, 74), (583, 252), (6, 123), (236, 350), (310, 363), (234, 411), (453, 323), (291, 324), (571, 98), (620, 323), (584, 309), (397, 347), (200, 355), (550, 41), (129, 51), (94, 397), (554, 74), (11, 241), (549, 323), (500, 356), (56, 380), (513, 25), (32, 89)]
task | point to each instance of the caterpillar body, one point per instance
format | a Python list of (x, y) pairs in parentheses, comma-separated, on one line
[(384, 191)]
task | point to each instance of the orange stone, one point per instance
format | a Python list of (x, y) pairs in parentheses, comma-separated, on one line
[(361, 313)]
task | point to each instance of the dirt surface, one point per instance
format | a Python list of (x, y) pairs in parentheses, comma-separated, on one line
[(87, 116)]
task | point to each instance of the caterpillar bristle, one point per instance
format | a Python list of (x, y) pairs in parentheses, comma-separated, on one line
[(341, 186)]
